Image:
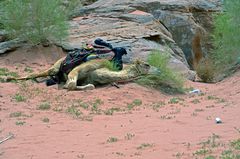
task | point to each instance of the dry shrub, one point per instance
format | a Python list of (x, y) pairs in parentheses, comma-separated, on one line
[(205, 70)]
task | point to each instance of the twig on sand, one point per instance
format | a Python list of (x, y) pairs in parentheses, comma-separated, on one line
[(10, 135)]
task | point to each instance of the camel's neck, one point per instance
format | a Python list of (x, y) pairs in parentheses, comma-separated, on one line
[(104, 76), (132, 71)]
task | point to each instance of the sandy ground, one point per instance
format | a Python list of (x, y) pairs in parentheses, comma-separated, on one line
[(107, 123)]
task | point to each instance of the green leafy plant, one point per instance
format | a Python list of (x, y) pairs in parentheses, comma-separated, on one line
[(227, 37), (37, 21), (166, 80)]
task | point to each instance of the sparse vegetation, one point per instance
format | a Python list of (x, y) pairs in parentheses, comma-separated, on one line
[(28, 69), (95, 106), (45, 120), (129, 136), (111, 111), (195, 101), (84, 105), (135, 102), (236, 144), (166, 117), (209, 157), (167, 80), (44, 106), (73, 111), (15, 114), (112, 139), (19, 98), (144, 145), (20, 123), (158, 105), (4, 72), (175, 100)]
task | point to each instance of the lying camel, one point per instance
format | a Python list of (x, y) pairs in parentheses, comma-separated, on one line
[(92, 73)]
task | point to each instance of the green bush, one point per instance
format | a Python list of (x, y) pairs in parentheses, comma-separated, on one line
[(227, 37), (167, 80), (36, 21)]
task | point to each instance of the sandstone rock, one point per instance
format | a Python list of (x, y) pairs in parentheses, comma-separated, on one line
[(188, 21), (10, 45)]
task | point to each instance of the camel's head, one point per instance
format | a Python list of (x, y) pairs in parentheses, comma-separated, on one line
[(144, 68)]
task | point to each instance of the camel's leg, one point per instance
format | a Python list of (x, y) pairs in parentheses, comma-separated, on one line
[(81, 71), (49, 72)]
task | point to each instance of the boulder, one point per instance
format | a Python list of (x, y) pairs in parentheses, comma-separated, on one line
[(10, 45), (189, 22)]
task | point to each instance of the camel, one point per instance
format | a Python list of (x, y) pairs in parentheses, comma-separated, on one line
[(93, 72)]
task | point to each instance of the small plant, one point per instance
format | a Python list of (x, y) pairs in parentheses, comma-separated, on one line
[(19, 98), (87, 118), (179, 155), (15, 114), (202, 152), (120, 154), (58, 109), (194, 114), (99, 102), (111, 111), (129, 136), (144, 145), (175, 100), (45, 120), (74, 111), (236, 144), (112, 139), (166, 117), (19, 123), (195, 101), (229, 154), (6, 72), (95, 106), (137, 102), (212, 98), (44, 106), (157, 106), (198, 110), (210, 157), (84, 105), (28, 69)]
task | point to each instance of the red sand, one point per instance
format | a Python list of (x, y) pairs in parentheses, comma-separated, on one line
[(171, 131)]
